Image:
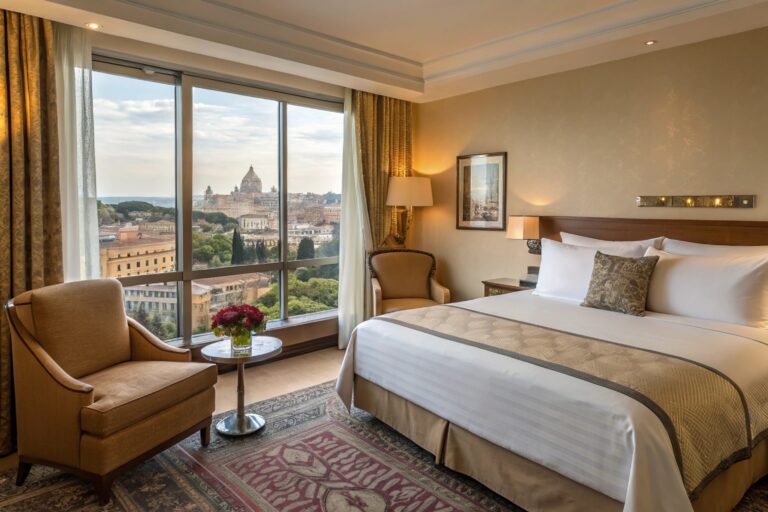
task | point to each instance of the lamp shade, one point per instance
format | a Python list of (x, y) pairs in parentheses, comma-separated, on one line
[(522, 228), (409, 191)]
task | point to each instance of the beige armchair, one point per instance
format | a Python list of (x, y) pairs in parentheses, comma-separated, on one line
[(404, 279), (95, 391)]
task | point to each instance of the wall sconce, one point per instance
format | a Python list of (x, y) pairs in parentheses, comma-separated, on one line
[(525, 228), (404, 193), (724, 201)]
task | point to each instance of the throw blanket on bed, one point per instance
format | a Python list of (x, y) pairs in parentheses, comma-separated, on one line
[(703, 411)]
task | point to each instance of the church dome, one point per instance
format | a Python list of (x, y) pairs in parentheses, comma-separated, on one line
[(251, 182)]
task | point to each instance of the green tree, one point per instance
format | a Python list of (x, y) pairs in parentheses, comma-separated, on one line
[(314, 295), (250, 253), (206, 247), (156, 326), (303, 274), (306, 249), (141, 315), (238, 248), (127, 207), (270, 298), (213, 218), (203, 254), (261, 251), (330, 248)]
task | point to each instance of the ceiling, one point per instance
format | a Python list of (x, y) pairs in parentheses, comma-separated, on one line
[(422, 30), (419, 50)]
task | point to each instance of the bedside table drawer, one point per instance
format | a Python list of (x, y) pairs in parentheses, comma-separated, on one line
[(502, 286), (489, 291)]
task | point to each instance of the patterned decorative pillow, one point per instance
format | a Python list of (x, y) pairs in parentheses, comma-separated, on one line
[(620, 284)]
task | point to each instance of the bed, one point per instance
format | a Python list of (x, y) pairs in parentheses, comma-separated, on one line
[(560, 407)]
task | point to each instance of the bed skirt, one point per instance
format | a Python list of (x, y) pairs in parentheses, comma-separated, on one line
[(523, 482)]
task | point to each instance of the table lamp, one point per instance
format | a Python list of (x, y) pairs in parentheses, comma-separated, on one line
[(404, 193), (525, 228)]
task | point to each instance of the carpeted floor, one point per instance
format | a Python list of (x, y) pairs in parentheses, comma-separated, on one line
[(312, 456)]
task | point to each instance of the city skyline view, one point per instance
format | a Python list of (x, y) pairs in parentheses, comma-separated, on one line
[(135, 142), (235, 200)]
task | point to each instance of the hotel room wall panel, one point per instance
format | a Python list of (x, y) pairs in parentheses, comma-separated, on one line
[(685, 120)]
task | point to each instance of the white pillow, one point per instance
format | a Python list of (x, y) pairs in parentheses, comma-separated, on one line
[(566, 270), (693, 249), (585, 241), (731, 289)]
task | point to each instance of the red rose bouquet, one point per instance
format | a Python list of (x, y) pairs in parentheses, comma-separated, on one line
[(238, 322)]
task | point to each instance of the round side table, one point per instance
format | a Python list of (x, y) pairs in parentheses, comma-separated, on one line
[(262, 348)]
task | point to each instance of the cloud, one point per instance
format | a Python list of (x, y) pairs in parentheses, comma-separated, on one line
[(136, 138)]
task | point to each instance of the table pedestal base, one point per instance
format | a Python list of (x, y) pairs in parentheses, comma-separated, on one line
[(240, 423), (233, 425)]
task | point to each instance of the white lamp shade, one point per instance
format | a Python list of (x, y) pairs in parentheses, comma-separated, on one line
[(409, 191), (522, 228)]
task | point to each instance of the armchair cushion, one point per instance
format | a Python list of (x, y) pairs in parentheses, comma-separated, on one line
[(129, 392), (82, 325), (403, 273), (392, 305)]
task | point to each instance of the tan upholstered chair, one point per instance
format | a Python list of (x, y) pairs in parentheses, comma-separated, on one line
[(95, 391), (404, 279)]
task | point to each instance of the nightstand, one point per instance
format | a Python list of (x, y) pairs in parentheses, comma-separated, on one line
[(502, 285)]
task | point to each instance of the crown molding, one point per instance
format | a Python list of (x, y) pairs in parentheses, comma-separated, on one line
[(596, 26), (612, 43), (235, 33), (244, 31)]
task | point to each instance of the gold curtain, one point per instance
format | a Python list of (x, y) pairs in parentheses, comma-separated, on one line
[(384, 142), (30, 219)]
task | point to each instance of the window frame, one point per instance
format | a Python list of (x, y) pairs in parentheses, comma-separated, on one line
[(184, 275)]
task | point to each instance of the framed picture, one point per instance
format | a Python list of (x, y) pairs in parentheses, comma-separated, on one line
[(481, 191)]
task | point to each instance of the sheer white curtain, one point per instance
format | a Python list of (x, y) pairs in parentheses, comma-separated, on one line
[(355, 233), (76, 154)]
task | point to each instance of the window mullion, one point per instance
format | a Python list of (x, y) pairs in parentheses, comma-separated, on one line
[(185, 184), (283, 188)]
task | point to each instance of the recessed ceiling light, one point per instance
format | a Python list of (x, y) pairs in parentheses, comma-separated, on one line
[(651, 42), (92, 25)]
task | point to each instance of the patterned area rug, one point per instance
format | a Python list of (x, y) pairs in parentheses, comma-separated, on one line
[(312, 456)]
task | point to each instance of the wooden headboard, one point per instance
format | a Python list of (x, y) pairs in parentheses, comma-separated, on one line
[(723, 232)]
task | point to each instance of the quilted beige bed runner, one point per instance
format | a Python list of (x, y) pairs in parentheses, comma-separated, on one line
[(703, 411)]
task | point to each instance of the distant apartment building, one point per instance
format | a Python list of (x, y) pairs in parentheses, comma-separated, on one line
[(165, 227), (208, 296), (319, 234), (313, 214), (332, 214), (127, 251), (156, 299), (255, 221)]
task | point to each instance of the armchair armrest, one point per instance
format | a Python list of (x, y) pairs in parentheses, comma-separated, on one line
[(440, 293), (145, 346), (378, 308), (48, 400)]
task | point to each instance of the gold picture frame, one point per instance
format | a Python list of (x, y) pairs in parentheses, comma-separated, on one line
[(481, 191)]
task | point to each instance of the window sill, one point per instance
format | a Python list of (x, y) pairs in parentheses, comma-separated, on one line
[(294, 330), (301, 320)]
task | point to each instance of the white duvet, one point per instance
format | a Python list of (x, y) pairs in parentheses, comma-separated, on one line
[(588, 433)]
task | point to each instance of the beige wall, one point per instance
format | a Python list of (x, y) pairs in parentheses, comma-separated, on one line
[(688, 120)]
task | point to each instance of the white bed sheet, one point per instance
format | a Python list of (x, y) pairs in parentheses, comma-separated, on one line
[(588, 433)]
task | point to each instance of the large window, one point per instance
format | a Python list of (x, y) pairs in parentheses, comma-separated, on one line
[(211, 193)]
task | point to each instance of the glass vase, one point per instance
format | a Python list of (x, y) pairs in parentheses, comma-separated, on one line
[(241, 342)]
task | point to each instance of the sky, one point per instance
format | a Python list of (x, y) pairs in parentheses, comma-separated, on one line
[(134, 131)]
